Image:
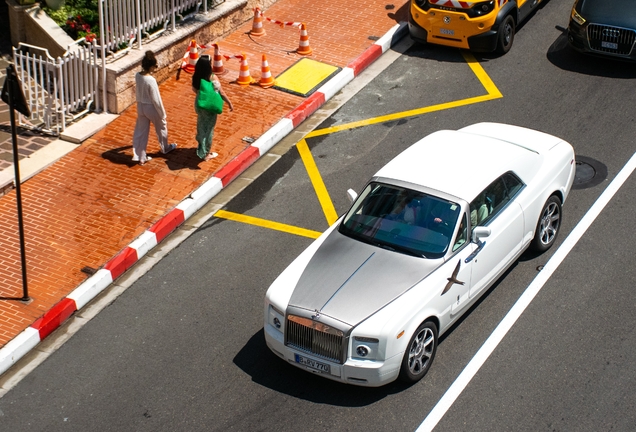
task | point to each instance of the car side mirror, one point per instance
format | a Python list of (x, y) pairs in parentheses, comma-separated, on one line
[(352, 195), (479, 233)]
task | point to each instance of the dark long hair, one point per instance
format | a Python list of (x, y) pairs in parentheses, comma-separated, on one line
[(202, 70)]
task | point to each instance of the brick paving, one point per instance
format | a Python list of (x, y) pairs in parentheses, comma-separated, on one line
[(84, 209)]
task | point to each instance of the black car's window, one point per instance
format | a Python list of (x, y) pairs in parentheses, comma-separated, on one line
[(492, 200), (402, 219)]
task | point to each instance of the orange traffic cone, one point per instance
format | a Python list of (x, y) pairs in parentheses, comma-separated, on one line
[(257, 24), (303, 46), (267, 80), (244, 72), (217, 64), (193, 56)]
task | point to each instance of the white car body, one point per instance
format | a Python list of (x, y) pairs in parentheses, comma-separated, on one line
[(341, 292)]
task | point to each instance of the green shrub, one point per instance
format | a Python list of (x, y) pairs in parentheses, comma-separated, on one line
[(78, 18)]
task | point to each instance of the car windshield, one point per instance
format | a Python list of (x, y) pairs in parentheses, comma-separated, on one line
[(402, 220)]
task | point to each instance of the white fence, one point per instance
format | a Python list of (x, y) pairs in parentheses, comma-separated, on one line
[(60, 90), (130, 21)]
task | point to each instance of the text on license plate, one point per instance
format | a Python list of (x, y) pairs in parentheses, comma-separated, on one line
[(313, 364), (447, 31), (610, 45)]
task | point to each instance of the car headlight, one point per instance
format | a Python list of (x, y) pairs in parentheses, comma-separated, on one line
[(275, 318), (422, 4), (480, 9), (577, 18), (364, 348)]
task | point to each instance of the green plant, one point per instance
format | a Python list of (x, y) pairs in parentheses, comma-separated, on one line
[(78, 18)]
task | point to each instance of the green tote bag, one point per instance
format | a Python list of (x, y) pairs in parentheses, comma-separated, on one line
[(209, 99)]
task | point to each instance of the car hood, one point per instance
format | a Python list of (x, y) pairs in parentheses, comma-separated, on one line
[(349, 280), (619, 13)]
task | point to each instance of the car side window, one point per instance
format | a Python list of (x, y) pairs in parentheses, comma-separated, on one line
[(462, 234), (494, 199)]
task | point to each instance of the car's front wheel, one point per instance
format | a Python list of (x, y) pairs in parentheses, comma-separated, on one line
[(548, 225), (506, 35), (420, 353)]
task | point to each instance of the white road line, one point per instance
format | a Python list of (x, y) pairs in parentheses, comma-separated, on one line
[(526, 298)]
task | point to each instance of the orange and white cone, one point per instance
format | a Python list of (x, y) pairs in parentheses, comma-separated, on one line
[(244, 77), (267, 80), (217, 64), (303, 46), (257, 24), (193, 56)]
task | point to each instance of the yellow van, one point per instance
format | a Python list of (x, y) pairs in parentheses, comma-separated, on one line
[(482, 26)]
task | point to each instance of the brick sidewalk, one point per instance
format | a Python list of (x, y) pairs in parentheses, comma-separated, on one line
[(86, 208)]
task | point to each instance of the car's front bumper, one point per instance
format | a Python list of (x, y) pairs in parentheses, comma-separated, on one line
[(579, 40), (476, 34), (359, 372)]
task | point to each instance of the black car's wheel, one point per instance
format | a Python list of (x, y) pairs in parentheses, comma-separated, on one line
[(548, 225), (506, 35), (420, 353)]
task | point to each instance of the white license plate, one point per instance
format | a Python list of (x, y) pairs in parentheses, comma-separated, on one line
[(312, 364), (609, 45), (447, 31)]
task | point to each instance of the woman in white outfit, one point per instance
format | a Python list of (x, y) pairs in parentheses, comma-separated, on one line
[(149, 110)]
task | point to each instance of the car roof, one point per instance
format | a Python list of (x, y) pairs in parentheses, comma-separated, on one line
[(461, 163)]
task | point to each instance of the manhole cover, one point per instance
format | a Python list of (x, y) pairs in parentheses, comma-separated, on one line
[(589, 173)]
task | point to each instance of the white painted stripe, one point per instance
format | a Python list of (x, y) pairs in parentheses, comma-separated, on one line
[(206, 191), (337, 83), (385, 41), (188, 207), (91, 287), (273, 135), (526, 298), (17, 347), (144, 243)]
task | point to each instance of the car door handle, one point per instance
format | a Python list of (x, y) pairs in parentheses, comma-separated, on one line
[(472, 256)]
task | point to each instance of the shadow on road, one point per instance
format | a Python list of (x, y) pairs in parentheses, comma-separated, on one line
[(564, 57), (256, 360)]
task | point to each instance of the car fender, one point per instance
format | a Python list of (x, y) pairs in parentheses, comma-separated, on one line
[(403, 316), (509, 8)]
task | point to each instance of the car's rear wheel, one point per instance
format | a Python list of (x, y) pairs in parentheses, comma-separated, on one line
[(548, 225), (420, 353), (506, 35)]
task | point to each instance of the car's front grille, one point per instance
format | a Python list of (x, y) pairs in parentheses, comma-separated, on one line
[(611, 40), (314, 338)]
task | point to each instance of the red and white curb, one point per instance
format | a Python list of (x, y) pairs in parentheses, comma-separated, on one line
[(89, 289)]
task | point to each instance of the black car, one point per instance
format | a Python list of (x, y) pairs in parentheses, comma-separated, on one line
[(604, 27)]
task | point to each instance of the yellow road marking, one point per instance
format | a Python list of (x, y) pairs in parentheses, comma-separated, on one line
[(481, 75), (267, 224), (312, 170), (491, 89), (316, 180)]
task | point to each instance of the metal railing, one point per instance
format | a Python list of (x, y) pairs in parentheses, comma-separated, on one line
[(57, 90), (129, 22)]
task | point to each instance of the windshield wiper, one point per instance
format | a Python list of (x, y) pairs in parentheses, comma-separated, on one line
[(400, 249)]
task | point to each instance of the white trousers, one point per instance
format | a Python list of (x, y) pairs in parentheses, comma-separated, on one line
[(146, 114)]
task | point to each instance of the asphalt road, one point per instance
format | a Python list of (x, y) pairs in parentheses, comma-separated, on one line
[(182, 349)]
